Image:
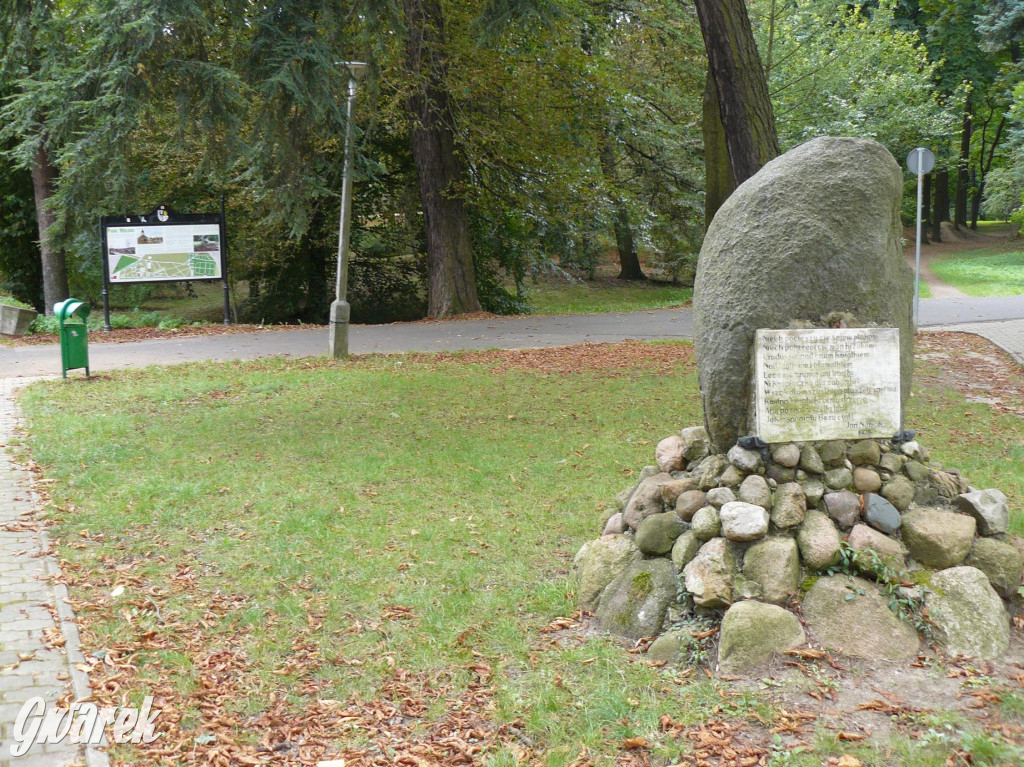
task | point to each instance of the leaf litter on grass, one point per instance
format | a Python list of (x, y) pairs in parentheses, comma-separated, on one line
[(221, 708)]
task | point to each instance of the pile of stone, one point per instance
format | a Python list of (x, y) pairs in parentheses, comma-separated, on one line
[(758, 535)]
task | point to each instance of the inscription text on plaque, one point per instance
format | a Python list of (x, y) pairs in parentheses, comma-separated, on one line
[(826, 384)]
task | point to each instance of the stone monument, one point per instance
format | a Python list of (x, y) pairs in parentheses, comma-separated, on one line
[(812, 240), (803, 486)]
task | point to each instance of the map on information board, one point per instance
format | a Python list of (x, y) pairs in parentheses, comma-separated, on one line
[(141, 253)]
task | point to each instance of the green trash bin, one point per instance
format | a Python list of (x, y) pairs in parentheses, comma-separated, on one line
[(74, 342)]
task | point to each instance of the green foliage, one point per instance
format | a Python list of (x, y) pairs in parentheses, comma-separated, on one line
[(386, 289), (567, 117), (1004, 193), (11, 301), (48, 325), (20, 270), (841, 70), (990, 749)]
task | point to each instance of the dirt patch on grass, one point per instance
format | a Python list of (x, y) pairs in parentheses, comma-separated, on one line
[(603, 357), (972, 365)]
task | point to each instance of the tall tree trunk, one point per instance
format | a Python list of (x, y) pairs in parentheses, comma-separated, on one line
[(55, 275), (718, 178), (734, 66), (629, 262), (962, 168), (451, 276), (941, 208), (978, 190), (984, 166)]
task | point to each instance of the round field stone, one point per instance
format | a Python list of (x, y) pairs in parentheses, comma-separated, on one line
[(899, 491), (866, 480), (864, 453), (881, 514), (755, 489), (843, 507), (787, 455), (810, 461), (744, 521), (838, 479)]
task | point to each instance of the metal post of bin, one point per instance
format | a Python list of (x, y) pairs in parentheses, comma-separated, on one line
[(72, 316)]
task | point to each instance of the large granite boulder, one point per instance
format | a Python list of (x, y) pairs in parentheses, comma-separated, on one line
[(598, 563), (1001, 562), (937, 538), (752, 632), (634, 604), (646, 500), (709, 575), (774, 564), (815, 232), (850, 614), (657, 533), (819, 541), (967, 613), (988, 507)]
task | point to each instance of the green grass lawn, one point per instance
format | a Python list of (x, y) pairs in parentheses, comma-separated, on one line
[(983, 273), (997, 226), (604, 295), (172, 300), (297, 538)]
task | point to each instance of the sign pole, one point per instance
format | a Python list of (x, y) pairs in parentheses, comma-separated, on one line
[(224, 261), (340, 309), (919, 161), (917, 250), (106, 277)]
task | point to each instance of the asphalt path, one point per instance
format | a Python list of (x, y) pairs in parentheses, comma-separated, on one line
[(494, 333)]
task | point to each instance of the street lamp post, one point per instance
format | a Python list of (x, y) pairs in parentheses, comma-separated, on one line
[(340, 309)]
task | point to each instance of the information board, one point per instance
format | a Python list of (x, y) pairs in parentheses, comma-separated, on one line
[(163, 246), (825, 384), (147, 249)]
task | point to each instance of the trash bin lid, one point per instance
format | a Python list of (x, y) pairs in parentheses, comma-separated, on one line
[(72, 307)]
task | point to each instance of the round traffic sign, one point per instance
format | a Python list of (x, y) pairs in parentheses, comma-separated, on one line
[(920, 160)]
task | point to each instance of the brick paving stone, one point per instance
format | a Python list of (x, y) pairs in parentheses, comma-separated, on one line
[(25, 588)]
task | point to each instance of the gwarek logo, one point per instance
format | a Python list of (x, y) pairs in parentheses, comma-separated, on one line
[(82, 723)]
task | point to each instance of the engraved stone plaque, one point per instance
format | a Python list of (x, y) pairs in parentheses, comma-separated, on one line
[(826, 384)]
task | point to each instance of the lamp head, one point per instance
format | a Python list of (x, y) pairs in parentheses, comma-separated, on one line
[(356, 69)]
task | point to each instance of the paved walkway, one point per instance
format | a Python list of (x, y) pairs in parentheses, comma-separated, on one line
[(1007, 335), (34, 615), (500, 333)]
